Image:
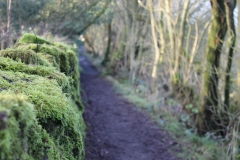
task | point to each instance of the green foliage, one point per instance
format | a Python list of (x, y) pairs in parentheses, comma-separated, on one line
[(41, 104), (20, 11), (80, 15), (191, 108)]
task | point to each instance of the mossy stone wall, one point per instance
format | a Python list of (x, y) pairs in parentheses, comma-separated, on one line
[(40, 104)]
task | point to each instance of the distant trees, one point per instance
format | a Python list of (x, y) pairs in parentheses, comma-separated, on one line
[(17, 16), (23, 12), (69, 18), (74, 17)]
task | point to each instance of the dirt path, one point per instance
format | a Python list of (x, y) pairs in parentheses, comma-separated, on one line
[(116, 129)]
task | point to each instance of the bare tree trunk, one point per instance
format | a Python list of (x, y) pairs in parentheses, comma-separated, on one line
[(9, 2), (171, 35), (238, 49), (107, 53), (89, 45), (154, 38), (209, 92), (230, 6), (161, 34), (133, 39), (177, 78)]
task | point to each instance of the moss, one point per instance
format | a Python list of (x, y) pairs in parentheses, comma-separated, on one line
[(60, 56), (74, 73), (44, 56), (54, 111), (21, 135), (31, 38), (51, 102), (44, 51), (67, 63), (25, 56), (64, 58), (8, 64), (33, 86), (57, 56)]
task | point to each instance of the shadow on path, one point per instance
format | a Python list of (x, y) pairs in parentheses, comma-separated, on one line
[(116, 130)]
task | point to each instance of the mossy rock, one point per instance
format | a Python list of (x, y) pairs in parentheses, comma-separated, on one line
[(8, 64), (44, 56), (31, 38), (61, 57), (68, 61), (21, 135), (46, 52), (68, 64), (64, 59), (25, 56), (17, 117), (47, 76), (34, 85), (54, 111), (57, 56)]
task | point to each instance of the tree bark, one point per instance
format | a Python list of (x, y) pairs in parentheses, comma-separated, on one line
[(238, 49), (107, 54), (154, 37), (89, 45), (230, 6), (209, 93), (9, 2), (177, 79)]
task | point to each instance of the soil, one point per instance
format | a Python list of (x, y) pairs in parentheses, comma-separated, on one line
[(116, 129)]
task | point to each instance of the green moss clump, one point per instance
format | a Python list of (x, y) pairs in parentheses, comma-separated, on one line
[(31, 38), (65, 59), (57, 116), (34, 47), (34, 86), (21, 135), (61, 57), (75, 74), (25, 56), (57, 56), (8, 64)]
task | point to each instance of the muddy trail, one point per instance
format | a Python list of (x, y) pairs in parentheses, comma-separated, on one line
[(116, 129)]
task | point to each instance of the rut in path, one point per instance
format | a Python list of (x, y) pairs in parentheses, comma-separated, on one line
[(116, 130)]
